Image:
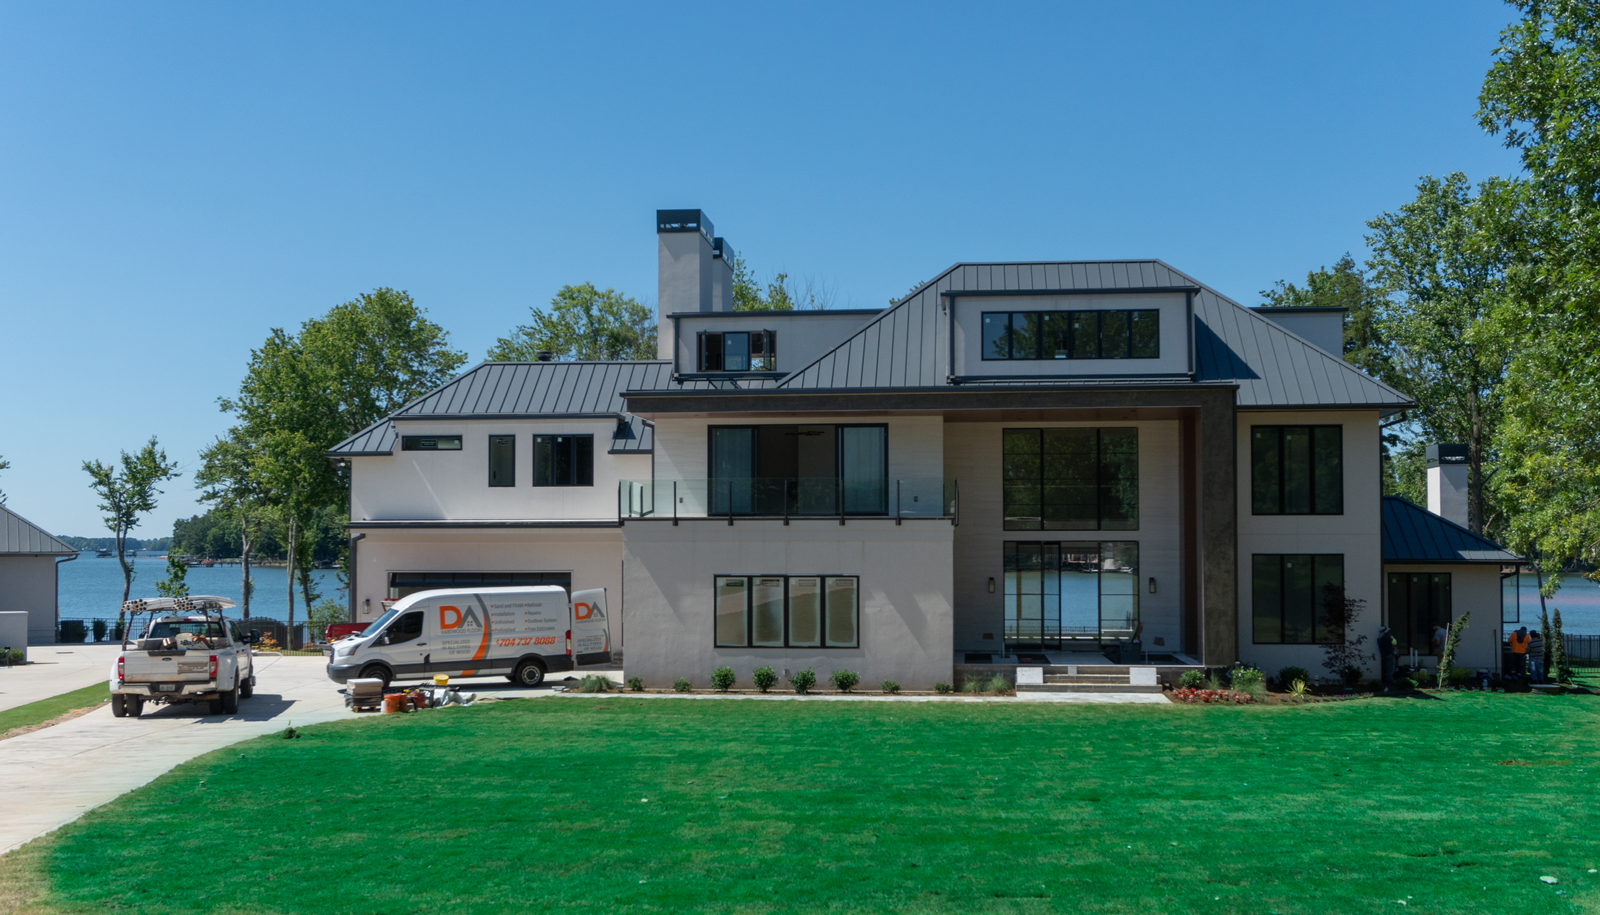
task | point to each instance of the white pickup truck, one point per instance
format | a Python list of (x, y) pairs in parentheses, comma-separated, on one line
[(188, 652)]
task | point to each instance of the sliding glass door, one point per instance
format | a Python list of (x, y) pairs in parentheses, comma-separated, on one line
[(1058, 593), (799, 470)]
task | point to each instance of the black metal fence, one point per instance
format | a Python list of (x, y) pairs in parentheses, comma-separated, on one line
[(107, 630), (1583, 651)]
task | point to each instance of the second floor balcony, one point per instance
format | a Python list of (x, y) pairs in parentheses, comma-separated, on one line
[(788, 497)]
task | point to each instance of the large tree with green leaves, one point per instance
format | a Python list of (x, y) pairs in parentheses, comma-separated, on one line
[(4, 464), (1344, 285), (781, 294), (231, 481), (583, 323), (127, 493), (1542, 97), (1441, 262)]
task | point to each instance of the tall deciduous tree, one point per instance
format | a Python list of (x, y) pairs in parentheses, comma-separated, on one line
[(1347, 286), (230, 480), (126, 495), (583, 323), (1442, 264), (1542, 96), (782, 294), (4, 464)]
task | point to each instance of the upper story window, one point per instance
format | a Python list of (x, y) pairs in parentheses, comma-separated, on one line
[(1297, 470), (800, 470), (1071, 479), (1133, 334), (430, 443), (502, 460), (737, 351), (563, 460)]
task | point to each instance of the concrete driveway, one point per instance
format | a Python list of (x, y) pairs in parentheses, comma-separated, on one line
[(55, 669), (53, 775)]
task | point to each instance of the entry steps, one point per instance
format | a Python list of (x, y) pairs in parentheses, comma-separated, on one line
[(1097, 678)]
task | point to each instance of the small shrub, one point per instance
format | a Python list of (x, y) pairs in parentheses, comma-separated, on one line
[(73, 632), (722, 679), (1351, 675), (1249, 681), (973, 685), (943, 688), (803, 680), (594, 683), (764, 678), (13, 656), (1211, 696), (890, 688), (1191, 679), (1213, 683), (1000, 686), (683, 686), (1297, 690), (636, 684), (99, 630), (1461, 676), (844, 680), (267, 643), (1288, 675)]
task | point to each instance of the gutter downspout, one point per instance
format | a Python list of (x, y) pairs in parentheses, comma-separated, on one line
[(55, 623), (354, 539)]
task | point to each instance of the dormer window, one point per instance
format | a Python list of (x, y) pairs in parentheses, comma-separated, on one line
[(1101, 334), (738, 351)]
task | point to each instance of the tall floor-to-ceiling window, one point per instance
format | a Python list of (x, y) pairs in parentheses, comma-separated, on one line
[(800, 470), (1059, 591)]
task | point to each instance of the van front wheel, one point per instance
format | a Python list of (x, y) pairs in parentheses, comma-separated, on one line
[(528, 673)]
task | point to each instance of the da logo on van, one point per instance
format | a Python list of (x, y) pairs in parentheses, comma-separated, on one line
[(583, 610), (454, 618)]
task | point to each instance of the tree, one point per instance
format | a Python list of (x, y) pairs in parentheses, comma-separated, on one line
[(173, 585), (1442, 265), (1345, 286), (1542, 95), (126, 496), (1452, 643), (4, 464), (585, 324), (231, 482), (782, 294), (1343, 655)]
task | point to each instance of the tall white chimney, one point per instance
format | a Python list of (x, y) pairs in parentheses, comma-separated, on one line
[(684, 270), (1447, 482)]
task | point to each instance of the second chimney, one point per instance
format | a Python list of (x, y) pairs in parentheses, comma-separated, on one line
[(1447, 482), (684, 270)]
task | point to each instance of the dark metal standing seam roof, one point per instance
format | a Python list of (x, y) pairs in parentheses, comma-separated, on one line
[(1412, 534), (524, 390), (907, 345), (19, 536)]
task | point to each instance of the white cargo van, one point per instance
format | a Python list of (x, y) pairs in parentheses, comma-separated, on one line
[(518, 633)]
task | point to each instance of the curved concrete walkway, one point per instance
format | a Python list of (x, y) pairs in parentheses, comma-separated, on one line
[(55, 669)]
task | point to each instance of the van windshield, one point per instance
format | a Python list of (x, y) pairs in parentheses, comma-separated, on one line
[(378, 623)]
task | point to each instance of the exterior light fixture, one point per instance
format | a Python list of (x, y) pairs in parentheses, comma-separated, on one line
[(991, 584), (1152, 586)]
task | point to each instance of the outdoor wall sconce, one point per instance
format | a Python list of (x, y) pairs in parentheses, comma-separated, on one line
[(1152, 586), (991, 584)]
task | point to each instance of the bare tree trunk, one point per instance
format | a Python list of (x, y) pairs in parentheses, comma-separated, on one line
[(127, 569), (245, 545), (288, 636)]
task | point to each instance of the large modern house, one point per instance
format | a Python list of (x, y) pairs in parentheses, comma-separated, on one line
[(1052, 461)]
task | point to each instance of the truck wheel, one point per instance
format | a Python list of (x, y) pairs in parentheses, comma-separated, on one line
[(118, 710), (134, 705), (215, 706), (247, 687), (376, 672), (230, 702), (528, 673)]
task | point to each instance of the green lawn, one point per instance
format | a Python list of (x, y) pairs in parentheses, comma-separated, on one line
[(46, 709), (1454, 803)]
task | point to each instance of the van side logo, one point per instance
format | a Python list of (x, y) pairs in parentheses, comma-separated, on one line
[(468, 619), (582, 610)]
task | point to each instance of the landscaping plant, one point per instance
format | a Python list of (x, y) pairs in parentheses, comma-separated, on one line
[(764, 678), (803, 680), (844, 680), (1451, 643), (683, 686), (1249, 681), (1345, 653), (722, 679), (594, 683), (1213, 682), (943, 688), (636, 684), (1000, 686), (1288, 675), (1556, 653), (1191, 678), (890, 687), (1297, 690), (972, 685)]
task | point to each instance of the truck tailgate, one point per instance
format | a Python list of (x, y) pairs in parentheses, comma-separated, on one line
[(166, 666)]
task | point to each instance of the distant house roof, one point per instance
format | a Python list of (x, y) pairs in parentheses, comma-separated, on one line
[(526, 390), (1412, 534), (19, 536), (906, 346)]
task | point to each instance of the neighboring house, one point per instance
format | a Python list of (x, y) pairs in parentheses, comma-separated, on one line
[(28, 580), (1031, 457)]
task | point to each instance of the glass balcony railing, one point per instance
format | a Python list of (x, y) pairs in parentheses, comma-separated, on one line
[(792, 497)]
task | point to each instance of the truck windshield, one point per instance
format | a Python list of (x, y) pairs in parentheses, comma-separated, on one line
[(188, 631)]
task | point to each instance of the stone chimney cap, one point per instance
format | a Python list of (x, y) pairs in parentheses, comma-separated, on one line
[(684, 221), (1447, 454)]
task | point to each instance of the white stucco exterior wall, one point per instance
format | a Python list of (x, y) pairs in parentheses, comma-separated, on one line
[(1357, 534), (1474, 589), (973, 456), (28, 584), (454, 485), (905, 595)]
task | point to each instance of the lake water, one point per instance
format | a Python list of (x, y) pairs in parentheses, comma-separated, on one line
[(1578, 600), (92, 587)]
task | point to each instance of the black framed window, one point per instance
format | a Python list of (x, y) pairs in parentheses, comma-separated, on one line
[(563, 460), (502, 460), (1288, 593), (788, 611), (821, 469), (430, 443), (1057, 592), (737, 351), (1418, 601), (1297, 470), (1118, 334), (1071, 479)]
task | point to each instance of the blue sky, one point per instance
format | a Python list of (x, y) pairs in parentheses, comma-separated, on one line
[(176, 179)]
